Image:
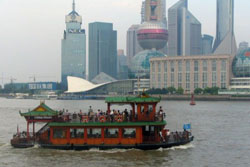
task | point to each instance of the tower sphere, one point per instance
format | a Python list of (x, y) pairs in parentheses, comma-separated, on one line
[(152, 35)]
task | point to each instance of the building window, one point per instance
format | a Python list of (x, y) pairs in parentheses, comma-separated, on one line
[(196, 85), (159, 80), (165, 67), (129, 133), (214, 65), (76, 133), (153, 80), (179, 66), (111, 133), (179, 80), (188, 86), (223, 65), (159, 67), (94, 132), (223, 80), (165, 75), (196, 77), (196, 80), (187, 66), (196, 66), (165, 80), (172, 66), (204, 79), (59, 133), (214, 79), (187, 77), (204, 65), (153, 67), (172, 73), (172, 79)]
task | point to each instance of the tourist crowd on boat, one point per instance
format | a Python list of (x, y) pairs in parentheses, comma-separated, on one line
[(101, 116)]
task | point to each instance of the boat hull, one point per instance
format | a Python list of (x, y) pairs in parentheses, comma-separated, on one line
[(145, 146)]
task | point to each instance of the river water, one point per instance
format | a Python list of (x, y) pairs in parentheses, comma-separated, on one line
[(221, 130)]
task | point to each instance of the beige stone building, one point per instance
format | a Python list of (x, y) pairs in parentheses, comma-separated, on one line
[(191, 72)]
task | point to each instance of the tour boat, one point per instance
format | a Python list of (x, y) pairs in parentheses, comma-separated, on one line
[(140, 127)]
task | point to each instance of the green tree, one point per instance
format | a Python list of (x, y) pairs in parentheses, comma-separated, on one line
[(171, 90), (180, 91), (214, 90), (207, 90), (198, 91)]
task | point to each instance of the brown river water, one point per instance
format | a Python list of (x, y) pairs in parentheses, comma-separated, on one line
[(221, 130)]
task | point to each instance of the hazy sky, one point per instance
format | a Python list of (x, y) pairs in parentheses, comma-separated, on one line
[(31, 30)]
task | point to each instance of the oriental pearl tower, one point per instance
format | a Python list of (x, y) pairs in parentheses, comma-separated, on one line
[(152, 36)]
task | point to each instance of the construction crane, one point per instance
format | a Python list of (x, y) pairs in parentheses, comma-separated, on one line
[(11, 79), (34, 77)]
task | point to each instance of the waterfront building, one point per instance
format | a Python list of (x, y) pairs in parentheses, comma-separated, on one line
[(184, 31), (241, 63), (122, 65), (123, 87), (102, 49), (133, 46), (225, 42), (207, 44), (243, 45), (140, 66), (190, 72), (73, 48)]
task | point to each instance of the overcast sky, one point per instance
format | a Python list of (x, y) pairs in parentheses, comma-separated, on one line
[(31, 30)]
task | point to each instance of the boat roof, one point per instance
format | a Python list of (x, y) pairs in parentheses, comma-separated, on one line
[(41, 111), (139, 99), (100, 124)]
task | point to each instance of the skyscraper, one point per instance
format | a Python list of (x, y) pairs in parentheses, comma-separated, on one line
[(225, 40), (73, 53), (243, 45), (207, 44), (122, 65), (184, 31), (102, 49), (133, 46)]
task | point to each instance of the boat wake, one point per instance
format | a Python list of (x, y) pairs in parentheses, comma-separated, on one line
[(182, 147), (110, 151), (4, 145)]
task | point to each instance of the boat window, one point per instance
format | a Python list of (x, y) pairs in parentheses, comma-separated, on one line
[(111, 133), (150, 108), (94, 132), (152, 128), (76, 133), (129, 133), (142, 109), (59, 133)]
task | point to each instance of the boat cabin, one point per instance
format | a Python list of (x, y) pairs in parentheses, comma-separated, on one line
[(139, 125)]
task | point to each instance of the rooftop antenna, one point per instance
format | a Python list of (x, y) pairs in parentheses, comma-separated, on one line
[(73, 5)]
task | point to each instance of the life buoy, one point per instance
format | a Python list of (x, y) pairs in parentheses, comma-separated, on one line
[(119, 118), (102, 119), (85, 119)]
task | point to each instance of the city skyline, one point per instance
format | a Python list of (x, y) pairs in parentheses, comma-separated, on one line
[(39, 48)]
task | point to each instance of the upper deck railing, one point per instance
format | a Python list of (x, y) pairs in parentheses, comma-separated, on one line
[(102, 117)]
